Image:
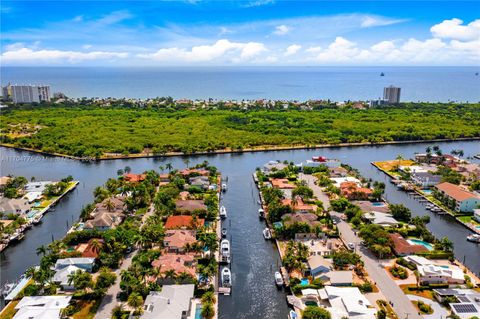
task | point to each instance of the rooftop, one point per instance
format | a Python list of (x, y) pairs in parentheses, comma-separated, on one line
[(182, 222), (170, 303), (455, 191)]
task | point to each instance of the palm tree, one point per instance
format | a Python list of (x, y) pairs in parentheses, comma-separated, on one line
[(161, 168), (127, 169), (428, 150), (208, 311), (399, 158), (186, 161), (120, 172), (96, 245), (42, 250), (169, 166), (109, 205), (170, 274), (447, 244), (31, 272), (135, 300), (209, 297)]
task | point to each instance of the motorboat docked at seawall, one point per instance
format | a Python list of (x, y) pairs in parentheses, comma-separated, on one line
[(225, 250), (223, 212), (224, 187), (292, 314), (261, 213), (224, 232), (474, 238), (226, 277), (278, 279), (267, 234)]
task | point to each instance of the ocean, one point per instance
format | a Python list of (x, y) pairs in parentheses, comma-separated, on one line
[(433, 84)]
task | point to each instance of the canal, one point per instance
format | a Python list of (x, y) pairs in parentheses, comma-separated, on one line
[(254, 260)]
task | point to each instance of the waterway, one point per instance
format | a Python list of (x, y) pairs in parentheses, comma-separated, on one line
[(254, 260)]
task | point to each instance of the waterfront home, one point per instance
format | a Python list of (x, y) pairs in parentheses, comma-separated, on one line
[(61, 277), (368, 206), (3, 182), (318, 265), (32, 196), (172, 302), (382, 219), (134, 178), (467, 301), (41, 307), (176, 240), (281, 183), (298, 205), (36, 186), (346, 302), (273, 166), (319, 246), (90, 249), (183, 222), (401, 247), (338, 171), (17, 206), (433, 274), (115, 204), (352, 190), (337, 181), (199, 181), (476, 214), (308, 218), (164, 179), (104, 221), (471, 171), (340, 277), (190, 205), (194, 171), (179, 263), (462, 200), (444, 159), (425, 179), (84, 263)]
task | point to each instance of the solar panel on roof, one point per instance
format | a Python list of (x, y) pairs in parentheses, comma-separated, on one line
[(463, 299), (464, 308)]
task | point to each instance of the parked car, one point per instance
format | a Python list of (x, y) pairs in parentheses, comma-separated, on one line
[(351, 246)]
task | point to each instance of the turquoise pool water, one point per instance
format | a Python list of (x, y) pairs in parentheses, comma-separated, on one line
[(427, 191), (198, 311), (378, 204), (304, 282), (420, 242)]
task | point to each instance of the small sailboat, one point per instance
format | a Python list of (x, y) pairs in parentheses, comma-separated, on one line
[(225, 250), (224, 187), (267, 234), (224, 232), (382, 74), (474, 238), (226, 277), (261, 213), (278, 279), (223, 212)]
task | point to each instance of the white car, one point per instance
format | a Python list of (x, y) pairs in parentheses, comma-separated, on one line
[(351, 246)]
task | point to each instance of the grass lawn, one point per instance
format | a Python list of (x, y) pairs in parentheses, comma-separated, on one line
[(468, 219), (391, 165), (88, 310), (9, 311), (425, 293), (427, 312)]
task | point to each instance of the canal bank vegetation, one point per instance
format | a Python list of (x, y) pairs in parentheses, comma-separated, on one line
[(106, 131)]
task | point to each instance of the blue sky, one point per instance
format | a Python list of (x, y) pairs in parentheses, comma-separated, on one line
[(250, 32)]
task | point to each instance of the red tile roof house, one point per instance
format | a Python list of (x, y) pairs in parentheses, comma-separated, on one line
[(195, 171), (164, 179), (183, 222), (464, 200), (134, 178), (281, 183), (176, 239), (308, 218), (105, 217), (190, 205), (351, 191), (179, 263), (298, 205), (401, 247), (88, 249)]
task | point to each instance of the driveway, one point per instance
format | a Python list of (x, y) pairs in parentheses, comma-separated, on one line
[(438, 311), (317, 190)]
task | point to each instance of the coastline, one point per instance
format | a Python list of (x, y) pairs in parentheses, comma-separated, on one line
[(265, 148)]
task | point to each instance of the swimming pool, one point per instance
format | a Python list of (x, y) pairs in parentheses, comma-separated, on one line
[(420, 242), (304, 282), (427, 191), (198, 311), (378, 204)]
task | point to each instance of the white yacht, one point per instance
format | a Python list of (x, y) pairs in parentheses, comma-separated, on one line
[(267, 234), (261, 213), (224, 187), (226, 277), (225, 250), (278, 279), (474, 238), (223, 212)]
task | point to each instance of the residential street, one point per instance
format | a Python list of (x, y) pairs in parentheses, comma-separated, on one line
[(401, 304), (109, 301)]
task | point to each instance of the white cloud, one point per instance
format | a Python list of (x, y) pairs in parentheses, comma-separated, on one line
[(115, 17), (27, 55), (456, 30), (339, 50), (238, 51), (224, 30), (258, 3), (377, 21), (281, 30), (292, 49), (384, 46), (314, 49)]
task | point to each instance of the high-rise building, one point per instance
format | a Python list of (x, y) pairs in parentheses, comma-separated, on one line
[(27, 93), (391, 94)]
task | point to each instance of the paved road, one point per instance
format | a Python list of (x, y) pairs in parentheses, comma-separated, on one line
[(401, 304), (109, 301)]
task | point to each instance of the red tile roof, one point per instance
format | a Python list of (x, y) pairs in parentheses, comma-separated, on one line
[(202, 172), (282, 183), (182, 221), (178, 238), (176, 262), (88, 249), (134, 178), (455, 191), (298, 204), (190, 205), (403, 247)]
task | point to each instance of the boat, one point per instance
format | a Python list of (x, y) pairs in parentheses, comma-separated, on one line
[(37, 220), (223, 212), (267, 234), (474, 238), (226, 277), (225, 250), (261, 213), (278, 279), (292, 314), (224, 232), (224, 187), (382, 74), (8, 288)]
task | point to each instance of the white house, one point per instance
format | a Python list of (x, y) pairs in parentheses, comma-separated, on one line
[(173, 302), (464, 200), (432, 274), (476, 214), (40, 307), (382, 219), (347, 302), (84, 263), (61, 277)]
